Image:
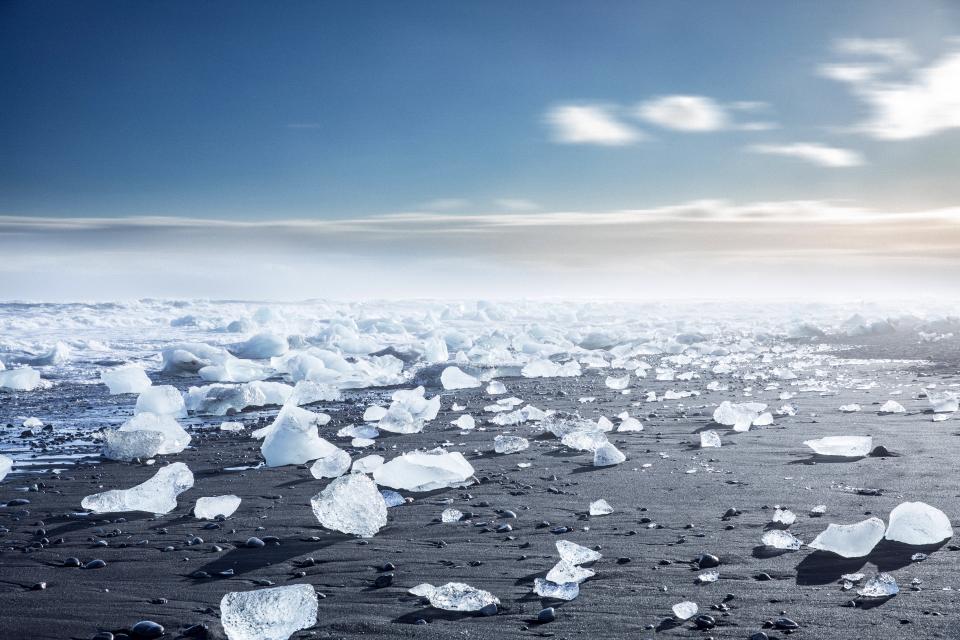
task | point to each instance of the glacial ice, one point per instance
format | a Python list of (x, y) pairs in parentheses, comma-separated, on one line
[(409, 411), (685, 610), (156, 495), (550, 369), (260, 347), (293, 438), (917, 523), (128, 445), (883, 585), (576, 554), (367, 464), (546, 589), (453, 378), (585, 439), (600, 508), (565, 571), (892, 406), (457, 596), (425, 471), (162, 400), (222, 399), (709, 439), (175, 438), (21, 379), (351, 504), (451, 515), (496, 388), (231, 426), (233, 370), (129, 378), (465, 422), (779, 539), (850, 408), (943, 402), (6, 465), (208, 508), (738, 415), (510, 444), (617, 383), (275, 613), (784, 517), (841, 446), (850, 540), (607, 455), (333, 465)]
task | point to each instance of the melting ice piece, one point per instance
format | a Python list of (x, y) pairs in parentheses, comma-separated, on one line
[(738, 415), (607, 455), (351, 504), (162, 400), (685, 610), (784, 517), (293, 439), (465, 422), (565, 571), (892, 406), (331, 466), (211, 507), (175, 439), (261, 346), (268, 614), (456, 596), (496, 388), (850, 408), (763, 419), (22, 379), (550, 369), (392, 498), (374, 413), (779, 539), (883, 585), (630, 424), (546, 589), (944, 402), (600, 508), (451, 515), (409, 411), (709, 439), (128, 445), (708, 576), (453, 378), (617, 383), (841, 446), (917, 523), (156, 495), (575, 553), (425, 471), (850, 540), (130, 378), (231, 426), (367, 464), (6, 465), (510, 444), (589, 439)]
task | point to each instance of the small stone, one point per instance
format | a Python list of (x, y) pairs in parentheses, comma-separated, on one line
[(707, 561), (547, 615), (146, 630)]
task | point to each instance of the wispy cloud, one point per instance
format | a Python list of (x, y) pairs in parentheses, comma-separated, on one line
[(812, 152), (445, 204), (590, 124), (684, 113)]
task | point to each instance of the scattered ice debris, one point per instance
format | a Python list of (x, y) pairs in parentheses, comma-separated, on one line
[(175, 438), (33, 423), (221, 399), (709, 439), (234, 370), (162, 400), (576, 554), (209, 508), (849, 408), (586, 438), (565, 591), (784, 517), (780, 539), (231, 426), (6, 465), (496, 388), (126, 446), (510, 444), (883, 585), (685, 610), (550, 369), (425, 471), (740, 415), (892, 406), (351, 504), (465, 422), (156, 495), (841, 446), (607, 455), (600, 508), (943, 402), (451, 515), (457, 596), (818, 511), (917, 523), (618, 383), (850, 540), (409, 411), (708, 576), (333, 465), (268, 614), (129, 378), (453, 378), (22, 379), (628, 424), (293, 439)]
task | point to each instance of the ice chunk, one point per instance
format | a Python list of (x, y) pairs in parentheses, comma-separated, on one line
[(156, 495), (549, 369), (465, 422), (367, 464), (738, 415), (22, 379), (456, 596), (617, 383), (600, 508), (762, 420), (425, 471), (331, 466), (409, 411), (850, 540), (685, 610), (6, 465), (293, 439), (33, 423), (261, 346), (175, 438), (850, 408), (162, 400), (892, 406), (210, 507), (374, 413), (708, 576), (607, 455), (883, 585), (351, 504), (779, 539), (510, 444), (917, 523), (585, 439), (546, 589), (841, 446), (784, 517), (231, 426), (709, 439), (268, 614), (308, 392), (454, 378), (234, 370), (392, 498), (128, 445), (496, 388), (565, 571), (629, 424), (451, 515), (944, 402), (575, 553), (130, 378)]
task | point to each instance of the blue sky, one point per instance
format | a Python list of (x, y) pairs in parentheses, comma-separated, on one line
[(344, 110)]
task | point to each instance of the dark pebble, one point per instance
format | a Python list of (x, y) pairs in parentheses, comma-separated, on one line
[(707, 561), (254, 542), (95, 564), (547, 615), (383, 581), (146, 630)]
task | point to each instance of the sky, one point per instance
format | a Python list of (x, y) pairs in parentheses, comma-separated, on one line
[(479, 149)]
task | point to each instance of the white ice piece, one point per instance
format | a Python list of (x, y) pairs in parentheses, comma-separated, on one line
[(208, 508), (156, 495), (351, 504), (883, 585), (576, 554), (496, 388), (943, 402), (457, 596), (779, 539), (709, 438), (685, 610), (333, 465), (22, 379), (175, 438), (917, 523), (841, 446), (425, 471), (892, 406), (465, 422), (6, 465), (162, 400), (451, 515), (607, 455), (129, 445), (600, 508), (850, 540), (129, 378), (293, 439), (453, 378), (510, 444), (738, 415), (617, 383), (546, 589), (261, 346), (268, 614)]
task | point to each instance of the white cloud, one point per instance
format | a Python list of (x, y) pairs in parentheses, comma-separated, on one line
[(445, 204), (812, 152), (590, 124), (517, 204), (684, 113), (891, 50)]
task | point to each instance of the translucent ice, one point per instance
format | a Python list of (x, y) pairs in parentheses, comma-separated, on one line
[(738, 415), (600, 508), (175, 438), (234, 370), (127, 445), (162, 400), (22, 379), (917, 523), (210, 507), (496, 388), (261, 346), (425, 471), (465, 422), (367, 464), (268, 614), (409, 411), (850, 540), (293, 439), (883, 585), (850, 408), (841, 446), (892, 406), (565, 571), (546, 589), (779, 539), (550, 369), (156, 495), (351, 504), (456, 596), (333, 465), (943, 402), (454, 378), (575, 553), (607, 455), (6, 465), (451, 515), (685, 610), (617, 383), (510, 444), (585, 439), (130, 378), (709, 439), (784, 517)]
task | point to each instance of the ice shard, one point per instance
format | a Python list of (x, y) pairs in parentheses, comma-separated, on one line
[(209, 508), (351, 504), (425, 471), (268, 614), (850, 540), (156, 495)]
